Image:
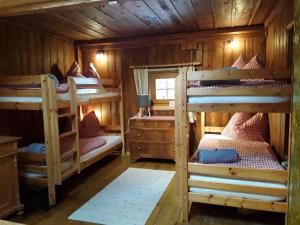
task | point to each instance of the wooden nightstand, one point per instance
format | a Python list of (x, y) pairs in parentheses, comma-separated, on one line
[(9, 194), (152, 137)]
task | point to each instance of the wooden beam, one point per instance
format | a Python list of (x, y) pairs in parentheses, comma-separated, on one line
[(165, 65), (294, 156), (132, 42), (277, 9), (213, 13), (254, 12), (25, 7)]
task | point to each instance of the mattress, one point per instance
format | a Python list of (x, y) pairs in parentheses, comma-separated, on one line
[(111, 141), (233, 194), (253, 154)]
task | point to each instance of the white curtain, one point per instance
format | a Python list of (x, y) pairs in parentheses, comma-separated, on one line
[(141, 81), (185, 69)]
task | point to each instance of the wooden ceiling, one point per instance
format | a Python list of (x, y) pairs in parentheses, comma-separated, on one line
[(98, 20)]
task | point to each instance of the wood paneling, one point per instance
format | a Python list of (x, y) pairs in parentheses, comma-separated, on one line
[(27, 52), (277, 52), (213, 53), (139, 17)]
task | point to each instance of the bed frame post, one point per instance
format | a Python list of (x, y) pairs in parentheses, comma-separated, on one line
[(202, 124), (178, 148), (122, 120), (184, 148), (48, 142), (53, 112), (73, 109)]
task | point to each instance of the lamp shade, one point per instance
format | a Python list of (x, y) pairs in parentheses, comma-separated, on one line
[(143, 100)]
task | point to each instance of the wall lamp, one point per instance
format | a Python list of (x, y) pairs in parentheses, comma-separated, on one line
[(100, 55)]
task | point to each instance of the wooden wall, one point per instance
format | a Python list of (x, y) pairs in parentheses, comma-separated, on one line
[(278, 55), (27, 52), (212, 53)]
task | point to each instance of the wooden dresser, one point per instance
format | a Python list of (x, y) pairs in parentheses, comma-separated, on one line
[(9, 188), (152, 137)]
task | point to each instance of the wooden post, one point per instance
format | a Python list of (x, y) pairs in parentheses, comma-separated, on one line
[(184, 149), (293, 216), (48, 142), (52, 110), (122, 120), (202, 124), (73, 110), (178, 138)]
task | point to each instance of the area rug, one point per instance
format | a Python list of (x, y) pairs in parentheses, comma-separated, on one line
[(128, 200)]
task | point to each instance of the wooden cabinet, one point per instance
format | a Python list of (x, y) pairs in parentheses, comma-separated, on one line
[(152, 137), (9, 188)]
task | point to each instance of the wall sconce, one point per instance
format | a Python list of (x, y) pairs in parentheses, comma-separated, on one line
[(100, 55), (234, 43)]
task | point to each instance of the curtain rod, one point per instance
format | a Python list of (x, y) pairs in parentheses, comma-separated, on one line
[(165, 65)]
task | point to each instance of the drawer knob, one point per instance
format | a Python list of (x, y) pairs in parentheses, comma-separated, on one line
[(138, 134), (139, 148)]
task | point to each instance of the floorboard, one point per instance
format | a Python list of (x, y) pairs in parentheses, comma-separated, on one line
[(80, 188)]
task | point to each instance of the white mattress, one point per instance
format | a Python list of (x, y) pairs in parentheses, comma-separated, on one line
[(270, 198), (238, 99), (111, 141)]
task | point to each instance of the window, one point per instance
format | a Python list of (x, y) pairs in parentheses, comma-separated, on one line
[(165, 89), (162, 87)]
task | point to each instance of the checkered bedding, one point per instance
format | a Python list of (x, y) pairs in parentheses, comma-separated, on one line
[(258, 83), (253, 154)]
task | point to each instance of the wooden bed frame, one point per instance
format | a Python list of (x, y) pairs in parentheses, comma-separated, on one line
[(50, 102), (184, 168)]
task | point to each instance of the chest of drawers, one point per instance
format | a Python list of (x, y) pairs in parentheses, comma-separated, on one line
[(9, 189), (152, 137)]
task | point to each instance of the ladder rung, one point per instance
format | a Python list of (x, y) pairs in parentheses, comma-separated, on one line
[(70, 133), (66, 115), (71, 152)]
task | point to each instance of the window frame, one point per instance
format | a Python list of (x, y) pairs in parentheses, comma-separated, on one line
[(160, 75)]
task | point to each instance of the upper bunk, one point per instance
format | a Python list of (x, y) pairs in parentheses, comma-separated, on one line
[(30, 92), (238, 90)]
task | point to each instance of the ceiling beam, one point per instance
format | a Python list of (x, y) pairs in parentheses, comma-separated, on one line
[(25, 7), (254, 12), (276, 10), (213, 13)]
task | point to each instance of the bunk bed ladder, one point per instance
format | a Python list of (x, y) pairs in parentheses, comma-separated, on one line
[(56, 137)]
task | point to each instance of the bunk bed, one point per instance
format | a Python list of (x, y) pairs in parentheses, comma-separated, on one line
[(234, 184), (63, 156)]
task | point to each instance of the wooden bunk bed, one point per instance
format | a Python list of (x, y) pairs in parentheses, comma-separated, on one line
[(273, 97), (40, 92)]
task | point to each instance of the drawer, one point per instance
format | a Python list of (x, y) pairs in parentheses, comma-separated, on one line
[(139, 148), (137, 135), (152, 150), (8, 148), (162, 136), (163, 151), (142, 124), (165, 124)]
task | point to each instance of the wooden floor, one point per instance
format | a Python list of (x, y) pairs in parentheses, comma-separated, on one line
[(80, 188)]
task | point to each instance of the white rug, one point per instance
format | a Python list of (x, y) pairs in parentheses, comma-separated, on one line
[(128, 200)]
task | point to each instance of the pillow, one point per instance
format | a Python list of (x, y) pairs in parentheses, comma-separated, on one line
[(91, 71), (240, 63), (90, 126), (74, 71), (253, 63), (246, 126)]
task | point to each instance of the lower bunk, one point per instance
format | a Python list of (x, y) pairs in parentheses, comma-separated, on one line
[(33, 165), (256, 181)]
